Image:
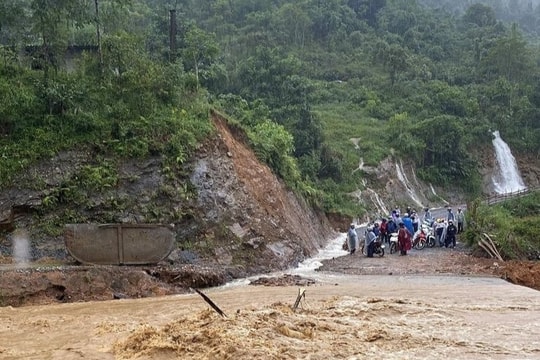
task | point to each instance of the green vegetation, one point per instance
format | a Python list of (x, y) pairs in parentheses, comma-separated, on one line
[(301, 78), (513, 225)]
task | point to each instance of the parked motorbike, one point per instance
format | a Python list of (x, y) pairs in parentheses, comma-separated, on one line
[(393, 242), (419, 240), (431, 240), (378, 248)]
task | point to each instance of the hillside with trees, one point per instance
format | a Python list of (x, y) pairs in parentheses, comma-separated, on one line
[(133, 79)]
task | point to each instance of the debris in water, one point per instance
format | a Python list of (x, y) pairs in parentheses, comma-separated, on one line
[(210, 302)]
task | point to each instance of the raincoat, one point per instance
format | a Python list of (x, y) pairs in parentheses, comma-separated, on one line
[(353, 239), (404, 240)]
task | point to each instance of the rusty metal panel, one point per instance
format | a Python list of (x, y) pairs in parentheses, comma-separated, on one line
[(119, 244)]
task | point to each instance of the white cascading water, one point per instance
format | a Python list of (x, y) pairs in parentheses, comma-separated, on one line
[(508, 179), (308, 267), (408, 187)]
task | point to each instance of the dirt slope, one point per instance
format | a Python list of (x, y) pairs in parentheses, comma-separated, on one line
[(243, 221)]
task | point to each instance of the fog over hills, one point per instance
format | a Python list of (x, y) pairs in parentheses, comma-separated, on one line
[(525, 13), (462, 5)]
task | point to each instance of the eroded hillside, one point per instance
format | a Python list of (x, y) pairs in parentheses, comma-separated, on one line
[(242, 221)]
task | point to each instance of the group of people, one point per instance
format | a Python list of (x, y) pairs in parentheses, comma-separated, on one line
[(406, 226), (445, 229), (372, 234)]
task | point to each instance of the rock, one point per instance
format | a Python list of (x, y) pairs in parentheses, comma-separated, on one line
[(254, 242), (117, 296)]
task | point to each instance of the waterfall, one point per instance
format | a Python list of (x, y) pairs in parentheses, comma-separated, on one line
[(508, 179)]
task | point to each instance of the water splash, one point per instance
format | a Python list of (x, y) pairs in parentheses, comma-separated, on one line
[(308, 267), (21, 249), (509, 179)]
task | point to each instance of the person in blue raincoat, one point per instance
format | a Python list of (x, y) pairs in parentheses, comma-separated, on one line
[(407, 221), (391, 227)]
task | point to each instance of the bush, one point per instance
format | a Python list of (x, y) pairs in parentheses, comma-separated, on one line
[(514, 233), (274, 146)]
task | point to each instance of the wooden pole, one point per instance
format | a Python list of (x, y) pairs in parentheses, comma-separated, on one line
[(301, 294), (172, 35), (98, 34)]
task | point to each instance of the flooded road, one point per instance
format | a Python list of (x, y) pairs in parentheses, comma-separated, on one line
[(341, 317), (400, 316)]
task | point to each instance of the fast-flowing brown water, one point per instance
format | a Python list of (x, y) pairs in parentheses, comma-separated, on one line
[(364, 317)]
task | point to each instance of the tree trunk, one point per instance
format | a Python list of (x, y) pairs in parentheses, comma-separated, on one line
[(172, 35)]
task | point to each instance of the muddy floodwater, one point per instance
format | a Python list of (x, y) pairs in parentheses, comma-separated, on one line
[(341, 317)]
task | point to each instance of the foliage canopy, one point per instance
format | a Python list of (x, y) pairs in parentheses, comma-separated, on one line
[(302, 77)]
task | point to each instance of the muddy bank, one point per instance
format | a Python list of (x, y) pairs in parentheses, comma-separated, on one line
[(35, 285)]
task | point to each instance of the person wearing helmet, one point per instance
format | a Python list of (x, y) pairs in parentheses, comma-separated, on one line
[(451, 231), (352, 238), (427, 218), (439, 230)]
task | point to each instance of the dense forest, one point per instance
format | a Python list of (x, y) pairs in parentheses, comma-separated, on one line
[(426, 81)]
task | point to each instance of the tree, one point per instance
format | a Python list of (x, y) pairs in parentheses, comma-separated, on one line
[(200, 50), (445, 158), (481, 15), (398, 21), (98, 34), (307, 133), (49, 19), (274, 145), (367, 9), (14, 21), (510, 58), (394, 59), (292, 25), (331, 164)]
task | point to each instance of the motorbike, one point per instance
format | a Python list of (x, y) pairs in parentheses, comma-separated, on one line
[(393, 242), (431, 240), (378, 248), (424, 237), (419, 240)]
